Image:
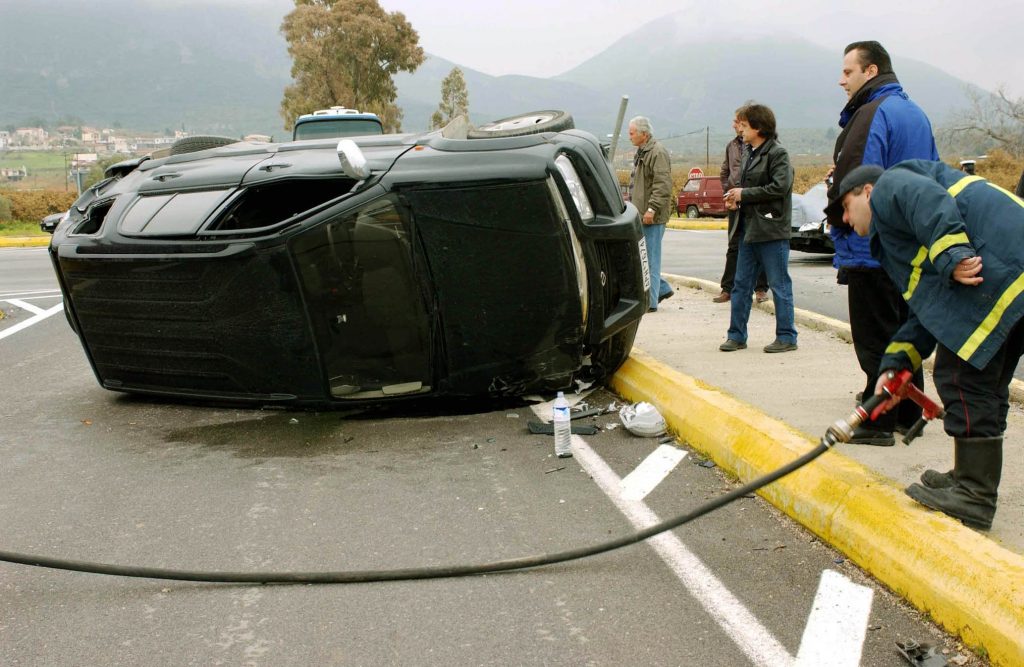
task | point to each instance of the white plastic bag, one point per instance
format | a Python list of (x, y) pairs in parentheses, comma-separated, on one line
[(643, 419)]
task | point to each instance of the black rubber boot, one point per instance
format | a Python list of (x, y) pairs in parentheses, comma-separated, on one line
[(972, 497), (934, 479)]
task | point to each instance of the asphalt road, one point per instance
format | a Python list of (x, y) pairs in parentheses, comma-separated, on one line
[(92, 475)]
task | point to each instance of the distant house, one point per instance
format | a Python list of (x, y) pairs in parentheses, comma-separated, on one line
[(5, 139), (30, 136), (13, 174), (86, 160)]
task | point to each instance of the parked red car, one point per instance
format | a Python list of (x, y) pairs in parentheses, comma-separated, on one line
[(701, 197)]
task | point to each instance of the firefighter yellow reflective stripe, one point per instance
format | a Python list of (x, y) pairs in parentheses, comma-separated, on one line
[(1017, 200), (945, 242), (992, 319), (915, 273), (907, 349), (957, 187)]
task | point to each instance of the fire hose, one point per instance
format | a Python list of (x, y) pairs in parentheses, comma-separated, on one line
[(897, 386)]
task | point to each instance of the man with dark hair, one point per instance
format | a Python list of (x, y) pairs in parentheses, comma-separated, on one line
[(730, 177), (650, 190), (952, 244), (881, 126), (764, 205)]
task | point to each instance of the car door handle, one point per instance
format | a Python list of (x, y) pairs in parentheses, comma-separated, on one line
[(270, 167), (164, 177)]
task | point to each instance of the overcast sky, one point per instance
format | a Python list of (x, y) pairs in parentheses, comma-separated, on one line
[(980, 41)]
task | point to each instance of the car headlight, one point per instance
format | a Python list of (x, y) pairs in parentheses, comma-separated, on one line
[(577, 249), (575, 185)]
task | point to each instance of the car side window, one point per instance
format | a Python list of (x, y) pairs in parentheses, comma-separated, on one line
[(358, 275)]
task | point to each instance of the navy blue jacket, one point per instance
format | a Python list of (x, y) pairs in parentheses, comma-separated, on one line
[(882, 126), (926, 218)]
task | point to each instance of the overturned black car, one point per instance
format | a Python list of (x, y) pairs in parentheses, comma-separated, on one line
[(315, 272)]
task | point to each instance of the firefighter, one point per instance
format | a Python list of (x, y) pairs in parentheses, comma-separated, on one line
[(952, 243)]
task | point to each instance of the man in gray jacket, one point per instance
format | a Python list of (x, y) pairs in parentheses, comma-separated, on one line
[(650, 190)]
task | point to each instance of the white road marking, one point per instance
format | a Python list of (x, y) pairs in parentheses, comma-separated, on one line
[(54, 295), (649, 474), (836, 627), (35, 319), (25, 293), (838, 622), (755, 640), (26, 306)]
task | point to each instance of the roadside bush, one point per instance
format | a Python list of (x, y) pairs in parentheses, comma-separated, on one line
[(999, 167), (36, 204), (5, 209)]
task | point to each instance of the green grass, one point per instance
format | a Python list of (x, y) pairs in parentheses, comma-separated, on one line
[(46, 169), (48, 160), (21, 228)]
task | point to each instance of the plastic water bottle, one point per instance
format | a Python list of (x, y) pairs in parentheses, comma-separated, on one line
[(563, 430)]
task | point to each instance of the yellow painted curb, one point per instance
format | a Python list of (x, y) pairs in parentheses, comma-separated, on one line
[(24, 241), (699, 223), (970, 585)]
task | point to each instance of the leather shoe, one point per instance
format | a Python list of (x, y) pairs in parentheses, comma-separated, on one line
[(866, 436), (652, 309), (761, 296), (721, 298), (666, 296), (779, 346), (731, 345)]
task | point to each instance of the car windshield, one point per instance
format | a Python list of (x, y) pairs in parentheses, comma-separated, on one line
[(341, 127)]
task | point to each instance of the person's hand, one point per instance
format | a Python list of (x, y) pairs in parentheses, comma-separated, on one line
[(882, 379), (828, 175), (733, 196), (648, 218), (966, 272)]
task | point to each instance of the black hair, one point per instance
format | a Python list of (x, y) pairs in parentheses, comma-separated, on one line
[(871, 53), (760, 118)]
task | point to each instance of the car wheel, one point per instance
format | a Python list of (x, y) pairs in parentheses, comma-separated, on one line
[(199, 143), (692, 212), (533, 122), (613, 352)]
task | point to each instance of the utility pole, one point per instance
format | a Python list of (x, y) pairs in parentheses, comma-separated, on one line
[(618, 129), (707, 148)]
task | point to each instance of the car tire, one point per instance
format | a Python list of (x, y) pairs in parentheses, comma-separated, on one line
[(199, 143), (692, 212), (613, 352), (533, 122)]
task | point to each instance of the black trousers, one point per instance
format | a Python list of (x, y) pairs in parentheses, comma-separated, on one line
[(733, 251), (877, 310), (976, 402)]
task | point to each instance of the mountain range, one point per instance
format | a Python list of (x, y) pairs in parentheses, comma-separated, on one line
[(222, 70)]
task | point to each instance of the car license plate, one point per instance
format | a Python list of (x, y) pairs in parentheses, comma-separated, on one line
[(642, 244)]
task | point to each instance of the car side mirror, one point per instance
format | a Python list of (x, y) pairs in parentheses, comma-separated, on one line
[(353, 162)]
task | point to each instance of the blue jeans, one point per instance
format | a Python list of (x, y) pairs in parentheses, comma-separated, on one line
[(652, 237), (773, 258)]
